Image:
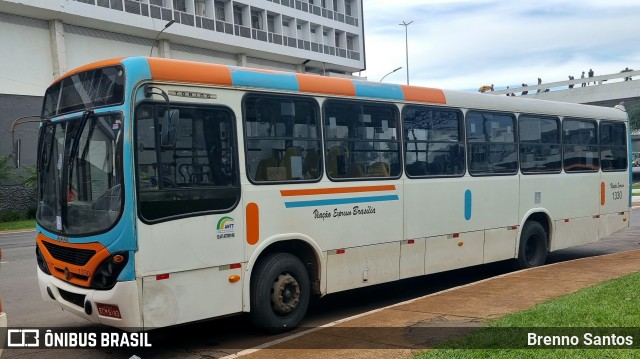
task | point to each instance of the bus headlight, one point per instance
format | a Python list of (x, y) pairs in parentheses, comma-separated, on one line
[(42, 264), (107, 273)]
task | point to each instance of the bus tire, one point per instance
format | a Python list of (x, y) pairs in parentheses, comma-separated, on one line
[(279, 293), (533, 246)]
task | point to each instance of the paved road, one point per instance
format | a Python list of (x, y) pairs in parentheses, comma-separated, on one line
[(221, 337)]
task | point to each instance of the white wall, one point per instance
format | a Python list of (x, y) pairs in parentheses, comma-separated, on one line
[(22, 39)]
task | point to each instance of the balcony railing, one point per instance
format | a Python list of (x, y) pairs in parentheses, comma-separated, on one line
[(154, 9)]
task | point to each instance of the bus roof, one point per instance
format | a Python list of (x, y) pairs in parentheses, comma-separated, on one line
[(181, 71)]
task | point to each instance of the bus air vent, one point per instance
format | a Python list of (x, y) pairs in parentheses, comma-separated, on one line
[(74, 256)]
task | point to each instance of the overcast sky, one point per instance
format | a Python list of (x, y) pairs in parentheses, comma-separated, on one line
[(464, 44)]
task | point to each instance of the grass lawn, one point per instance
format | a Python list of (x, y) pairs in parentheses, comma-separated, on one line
[(636, 185), (12, 226), (612, 304)]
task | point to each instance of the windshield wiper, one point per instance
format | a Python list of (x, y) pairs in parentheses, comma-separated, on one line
[(68, 170)]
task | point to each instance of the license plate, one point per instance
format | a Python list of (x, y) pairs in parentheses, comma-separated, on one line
[(108, 310)]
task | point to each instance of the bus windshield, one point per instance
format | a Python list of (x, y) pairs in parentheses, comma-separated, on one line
[(80, 174)]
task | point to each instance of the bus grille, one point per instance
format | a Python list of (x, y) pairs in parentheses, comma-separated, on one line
[(74, 256), (74, 298)]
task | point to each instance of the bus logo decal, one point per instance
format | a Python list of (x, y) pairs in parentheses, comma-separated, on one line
[(225, 228)]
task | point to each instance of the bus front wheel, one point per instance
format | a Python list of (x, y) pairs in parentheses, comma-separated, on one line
[(533, 246), (279, 292)]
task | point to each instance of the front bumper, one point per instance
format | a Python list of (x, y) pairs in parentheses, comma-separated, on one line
[(72, 298)]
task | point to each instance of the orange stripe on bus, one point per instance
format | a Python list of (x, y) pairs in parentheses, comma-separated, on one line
[(94, 65), (326, 85), (423, 94), (57, 267), (603, 197), (188, 71), (253, 223), (314, 191)]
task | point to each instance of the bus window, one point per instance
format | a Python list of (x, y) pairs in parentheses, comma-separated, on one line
[(196, 173), (491, 143), (282, 139), (613, 146), (434, 141), (361, 140), (539, 144), (580, 145)]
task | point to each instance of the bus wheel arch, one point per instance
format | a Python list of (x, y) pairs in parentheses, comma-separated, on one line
[(534, 241)]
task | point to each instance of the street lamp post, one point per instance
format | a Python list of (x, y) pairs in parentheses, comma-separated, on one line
[(406, 39), (390, 73), (156, 39)]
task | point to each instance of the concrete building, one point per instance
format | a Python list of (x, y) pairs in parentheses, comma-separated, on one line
[(43, 39)]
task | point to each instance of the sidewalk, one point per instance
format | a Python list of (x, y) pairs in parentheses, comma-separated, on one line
[(387, 333)]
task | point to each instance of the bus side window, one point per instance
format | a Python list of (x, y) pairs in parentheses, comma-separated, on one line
[(491, 143), (282, 136), (613, 147), (580, 145), (361, 140), (194, 173), (434, 141)]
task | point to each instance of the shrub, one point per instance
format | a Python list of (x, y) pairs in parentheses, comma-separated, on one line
[(9, 216), (31, 213)]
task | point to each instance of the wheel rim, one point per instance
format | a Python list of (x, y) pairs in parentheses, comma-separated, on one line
[(531, 250), (285, 294)]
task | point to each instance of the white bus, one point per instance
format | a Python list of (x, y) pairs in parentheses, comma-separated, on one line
[(173, 191)]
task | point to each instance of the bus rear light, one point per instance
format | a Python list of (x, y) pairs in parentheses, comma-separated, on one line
[(566, 220), (118, 258), (235, 266), (340, 251), (108, 310), (162, 276), (234, 278), (411, 241), (460, 244)]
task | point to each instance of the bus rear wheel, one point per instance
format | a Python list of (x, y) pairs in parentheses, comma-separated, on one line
[(279, 292), (533, 246)]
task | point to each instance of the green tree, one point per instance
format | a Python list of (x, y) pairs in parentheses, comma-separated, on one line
[(7, 172), (29, 176)]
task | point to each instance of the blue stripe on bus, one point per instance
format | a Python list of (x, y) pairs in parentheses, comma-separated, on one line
[(467, 205), (270, 80), (386, 91), (335, 201)]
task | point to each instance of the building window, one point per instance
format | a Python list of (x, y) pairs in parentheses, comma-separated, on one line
[(180, 5), (237, 15), (337, 39), (271, 23), (201, 8), (256, 20), (349, 43), (219, 8), (335, 5), (347, 7)]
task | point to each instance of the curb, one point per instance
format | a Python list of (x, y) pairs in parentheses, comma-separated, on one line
[(17, 231)]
